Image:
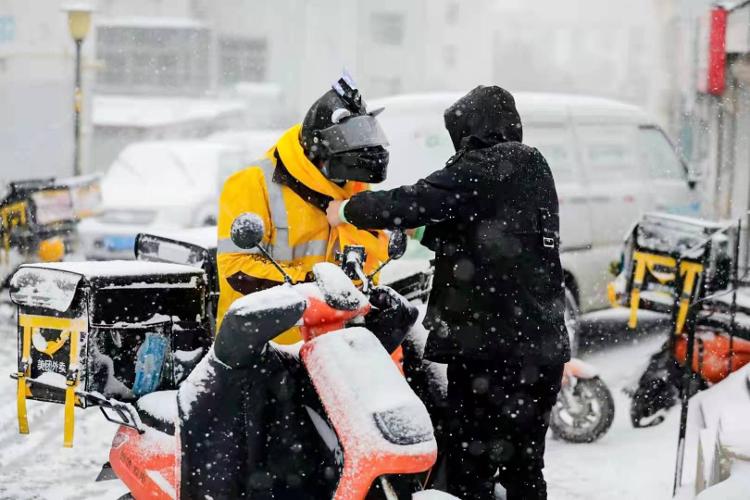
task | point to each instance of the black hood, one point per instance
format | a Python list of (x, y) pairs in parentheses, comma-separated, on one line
[(483, 117)]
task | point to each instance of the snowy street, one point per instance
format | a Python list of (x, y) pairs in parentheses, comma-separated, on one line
[(626, 463)]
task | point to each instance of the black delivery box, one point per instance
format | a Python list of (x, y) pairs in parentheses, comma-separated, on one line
[(118, 329)]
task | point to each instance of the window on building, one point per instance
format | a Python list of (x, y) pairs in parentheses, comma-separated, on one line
[(451, 13), (7, 29), (153, 59), (387, 28), (243, 59)]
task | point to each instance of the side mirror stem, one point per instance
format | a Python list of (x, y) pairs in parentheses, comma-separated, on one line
[(377, 270), (287, 278)]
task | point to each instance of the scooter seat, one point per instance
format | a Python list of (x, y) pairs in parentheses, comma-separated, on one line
[(159, 410)]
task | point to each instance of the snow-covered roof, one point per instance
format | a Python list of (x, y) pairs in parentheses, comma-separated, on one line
[(144, 112), (529, 104), (149, 22)]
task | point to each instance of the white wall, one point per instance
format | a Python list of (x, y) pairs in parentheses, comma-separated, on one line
[(36, 91)]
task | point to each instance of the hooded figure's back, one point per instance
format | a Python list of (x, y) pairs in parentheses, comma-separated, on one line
[(496, 283), (491, 217)]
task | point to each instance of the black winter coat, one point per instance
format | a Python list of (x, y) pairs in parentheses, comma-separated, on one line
[(498, 290)]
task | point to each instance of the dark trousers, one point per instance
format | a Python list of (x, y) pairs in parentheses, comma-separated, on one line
[(495, 423)]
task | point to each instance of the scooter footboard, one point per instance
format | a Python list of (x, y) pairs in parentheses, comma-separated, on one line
[(382, 425)]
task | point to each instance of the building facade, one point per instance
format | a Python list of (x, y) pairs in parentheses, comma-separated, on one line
[(36, 90)]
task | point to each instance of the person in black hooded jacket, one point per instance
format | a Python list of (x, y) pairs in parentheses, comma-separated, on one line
[(495, 314)]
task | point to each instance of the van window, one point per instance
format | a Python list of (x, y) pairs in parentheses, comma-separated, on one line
[(659, 156), (418, 146), (555, 143), (607, 150)]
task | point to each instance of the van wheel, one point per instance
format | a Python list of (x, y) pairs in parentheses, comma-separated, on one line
[(571, 321)]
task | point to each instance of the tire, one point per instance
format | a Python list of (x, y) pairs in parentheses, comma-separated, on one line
[(594, 416), (571, 321)]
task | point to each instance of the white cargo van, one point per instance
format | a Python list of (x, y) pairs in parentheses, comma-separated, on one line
[(610, 160)]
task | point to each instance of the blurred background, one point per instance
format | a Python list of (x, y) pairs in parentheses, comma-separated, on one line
[(195, 69), (639, 106), (168, 69)]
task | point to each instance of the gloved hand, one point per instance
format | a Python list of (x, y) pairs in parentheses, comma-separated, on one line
[(391, 316)]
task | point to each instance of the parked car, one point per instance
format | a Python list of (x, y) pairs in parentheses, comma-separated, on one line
[(164, 185), (611, 161), (252, 142)]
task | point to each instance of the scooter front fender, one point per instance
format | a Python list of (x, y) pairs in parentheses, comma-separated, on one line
[(579, 369), (148, 464)]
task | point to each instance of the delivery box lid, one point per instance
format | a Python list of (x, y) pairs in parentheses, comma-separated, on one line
[(54, 285)]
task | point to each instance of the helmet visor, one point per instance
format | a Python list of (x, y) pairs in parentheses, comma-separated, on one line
[(356, 132)]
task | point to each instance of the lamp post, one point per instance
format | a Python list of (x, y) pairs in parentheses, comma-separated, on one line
[(79, 22)]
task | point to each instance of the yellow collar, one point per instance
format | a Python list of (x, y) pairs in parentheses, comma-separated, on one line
[(293, 156)]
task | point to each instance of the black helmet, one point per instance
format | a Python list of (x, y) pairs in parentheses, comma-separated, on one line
[(342, 138)]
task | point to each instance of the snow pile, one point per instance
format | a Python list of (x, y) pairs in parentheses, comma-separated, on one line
[(432, 495), (337, 287), (718, 443), (736, 487), (161, 405)]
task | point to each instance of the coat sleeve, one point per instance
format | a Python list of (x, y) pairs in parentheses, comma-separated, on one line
[(458, 191), (239, 272)]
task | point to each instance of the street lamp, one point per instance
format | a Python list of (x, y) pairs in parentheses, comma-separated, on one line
[(79, 22)]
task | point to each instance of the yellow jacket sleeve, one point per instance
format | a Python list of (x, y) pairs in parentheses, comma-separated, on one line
[(245, 191)]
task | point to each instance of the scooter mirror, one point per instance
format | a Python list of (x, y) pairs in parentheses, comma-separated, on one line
[(247, 230), (397, 244)]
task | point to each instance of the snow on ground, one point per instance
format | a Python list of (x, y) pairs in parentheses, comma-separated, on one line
[(626, 463), (36, 466)]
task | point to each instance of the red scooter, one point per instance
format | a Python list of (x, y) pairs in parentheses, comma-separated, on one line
[(190, 443)]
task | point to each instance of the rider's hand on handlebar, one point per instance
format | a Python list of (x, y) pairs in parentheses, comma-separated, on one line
[(391, 317)]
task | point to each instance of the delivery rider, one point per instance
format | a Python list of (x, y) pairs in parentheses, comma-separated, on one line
[(337, 150)]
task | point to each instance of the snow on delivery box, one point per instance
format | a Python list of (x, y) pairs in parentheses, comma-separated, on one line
[(90, 331)]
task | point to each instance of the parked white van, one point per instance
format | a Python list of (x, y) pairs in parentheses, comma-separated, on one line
[(610, 160)]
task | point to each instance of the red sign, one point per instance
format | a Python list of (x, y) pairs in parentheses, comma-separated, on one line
[(717, 53)]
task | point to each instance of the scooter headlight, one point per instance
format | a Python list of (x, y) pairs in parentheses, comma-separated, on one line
[(405, 425)]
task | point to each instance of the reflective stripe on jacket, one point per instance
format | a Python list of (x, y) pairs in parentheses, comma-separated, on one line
[(297, 234)]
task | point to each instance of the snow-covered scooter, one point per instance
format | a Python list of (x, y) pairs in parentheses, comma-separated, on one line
[(373, 424)]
